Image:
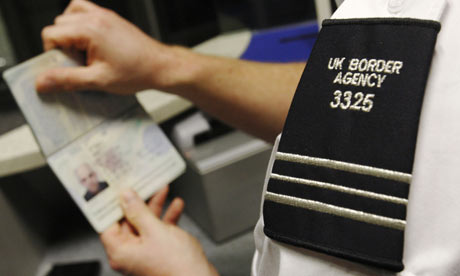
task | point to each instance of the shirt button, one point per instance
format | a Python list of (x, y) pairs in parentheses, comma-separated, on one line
[(395, 6)]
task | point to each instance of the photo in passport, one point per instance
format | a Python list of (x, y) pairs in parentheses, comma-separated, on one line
[(89, 179)]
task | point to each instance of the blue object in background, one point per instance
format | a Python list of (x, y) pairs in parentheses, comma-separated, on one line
[(284, 44)]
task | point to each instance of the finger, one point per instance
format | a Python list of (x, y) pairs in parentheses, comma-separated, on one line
[(66, 79), (72, 18), (174, 211), (76, 6), (67, 35), (117, 245), (137, 213), (110, 237), (158, 200)]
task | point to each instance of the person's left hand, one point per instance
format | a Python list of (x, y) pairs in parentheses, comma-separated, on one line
[(144, 245)]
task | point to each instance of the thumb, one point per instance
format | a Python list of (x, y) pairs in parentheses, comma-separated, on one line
[(66, 79), (137, 213)]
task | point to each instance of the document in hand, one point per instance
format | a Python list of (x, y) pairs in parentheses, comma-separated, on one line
[(96, 143)]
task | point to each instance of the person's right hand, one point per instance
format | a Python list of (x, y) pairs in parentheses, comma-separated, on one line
[(145, 245), (120, 58)]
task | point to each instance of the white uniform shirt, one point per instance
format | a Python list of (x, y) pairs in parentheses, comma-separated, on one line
[(432, 235)]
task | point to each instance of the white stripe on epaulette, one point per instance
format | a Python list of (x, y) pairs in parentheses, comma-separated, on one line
[(337, 211), (334, 187), (345, 166)]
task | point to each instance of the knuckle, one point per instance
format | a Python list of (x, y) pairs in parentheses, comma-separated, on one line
[(98, 19), (92, 81), (57, 19), (50, 79), (103, 18), (45, 32), (74, 4), (66, 83), (93, 75), (86, 30), (100, 79), (66, 87), (106, 12)]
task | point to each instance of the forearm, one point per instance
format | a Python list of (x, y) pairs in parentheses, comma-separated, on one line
[(251, 96)]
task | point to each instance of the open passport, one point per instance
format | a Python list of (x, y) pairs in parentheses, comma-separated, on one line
[(96, 143)]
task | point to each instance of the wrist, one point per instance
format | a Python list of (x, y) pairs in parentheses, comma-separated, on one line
[(179, 71)]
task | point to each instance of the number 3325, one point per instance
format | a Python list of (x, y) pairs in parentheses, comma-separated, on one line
[(349, 101)]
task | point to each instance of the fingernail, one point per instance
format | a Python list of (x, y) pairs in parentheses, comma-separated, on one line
[(128, 196)]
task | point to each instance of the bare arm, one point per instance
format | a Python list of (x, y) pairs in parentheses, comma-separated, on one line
[(252, 96)]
